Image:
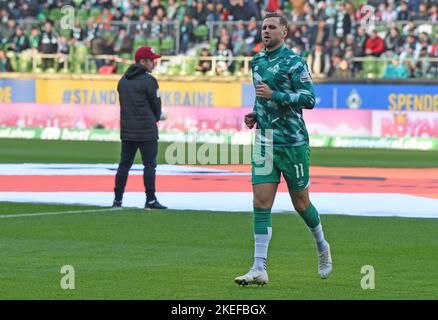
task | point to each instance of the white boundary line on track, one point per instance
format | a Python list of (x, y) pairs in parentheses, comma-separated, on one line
[(37, 214)]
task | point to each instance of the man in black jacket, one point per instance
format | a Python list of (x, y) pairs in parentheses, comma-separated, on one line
[(140, 110)]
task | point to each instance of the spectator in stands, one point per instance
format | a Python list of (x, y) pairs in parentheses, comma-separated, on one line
[(305, 36), (349, 56), (78, 32), (396, 70), (361, 39), (200, 14), (407, 57), (212, 14), (433, 51), (204, 65), (299, 50), (374, 46), (48, 44), (423, 42), (389, 15), (63, 49), (238, 38), (122, 43), (223, 65), (342, 23), (322, 33), (105, 17), (423, 65), (142, 27), (403, 12), (342, 69), (19, 41), (422, 15), (9, 31), (294, 36), (222, 12), (4, 17), (181, 11), (34, 38), (155, 6), (186, 33), (146, 13), (433, 13), (393, 40), (117, 16), (409, 42), (410, 28), (242, 10), (5, 65), (336, 47), (155, 28), (252, 36), (319, 62), (27, 9), (91, 30), (350, 42), (172, 9)]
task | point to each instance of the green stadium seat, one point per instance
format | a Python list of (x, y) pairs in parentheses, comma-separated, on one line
[(201, 32), (127, 56), (154, 43), (93, 66), (188, 68), (12, 59), (82, 15), (66, 33), (167, 45), (137, 44), (174, 70), (213, 44), (78, 2), (24, 62), (37, 67), (380, 68), (55, 14), (95, 13), (369, 68)]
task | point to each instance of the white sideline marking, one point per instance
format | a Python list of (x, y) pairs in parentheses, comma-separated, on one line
[(364, 204), (36, 214)]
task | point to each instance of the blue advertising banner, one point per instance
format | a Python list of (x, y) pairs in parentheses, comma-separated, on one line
[(17, 90), (367, 96)]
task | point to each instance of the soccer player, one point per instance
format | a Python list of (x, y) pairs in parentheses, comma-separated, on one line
[(283, 88)]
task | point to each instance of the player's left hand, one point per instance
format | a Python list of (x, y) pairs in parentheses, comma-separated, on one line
[(263, 91)]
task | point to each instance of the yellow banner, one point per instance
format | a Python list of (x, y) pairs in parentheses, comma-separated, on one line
[(201, 94), (51, 91), (195, 94)]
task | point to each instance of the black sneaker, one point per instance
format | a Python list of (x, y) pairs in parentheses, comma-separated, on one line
[(154, 205), (117, 204)]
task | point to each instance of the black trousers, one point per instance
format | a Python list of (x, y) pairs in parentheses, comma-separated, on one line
[(148, 150)]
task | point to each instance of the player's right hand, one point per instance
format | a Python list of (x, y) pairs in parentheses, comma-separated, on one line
[(250, 119)]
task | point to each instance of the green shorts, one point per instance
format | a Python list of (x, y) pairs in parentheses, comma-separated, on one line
[(293, 162)]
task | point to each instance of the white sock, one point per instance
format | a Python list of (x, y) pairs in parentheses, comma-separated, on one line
[(261, 244), (318, 235), (259, 264)]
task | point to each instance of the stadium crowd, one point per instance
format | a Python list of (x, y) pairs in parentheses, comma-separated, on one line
[(329, 34)]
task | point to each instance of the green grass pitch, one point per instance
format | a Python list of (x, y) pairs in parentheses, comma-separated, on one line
[(40, 151), (137, 254)]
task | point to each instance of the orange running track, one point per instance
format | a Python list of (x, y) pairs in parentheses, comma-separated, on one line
[(420, 182)]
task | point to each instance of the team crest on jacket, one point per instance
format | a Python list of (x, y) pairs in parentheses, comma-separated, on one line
[(274, 70), (305, 76)]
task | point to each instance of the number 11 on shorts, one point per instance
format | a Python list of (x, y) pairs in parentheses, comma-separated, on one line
[(298, 168)]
